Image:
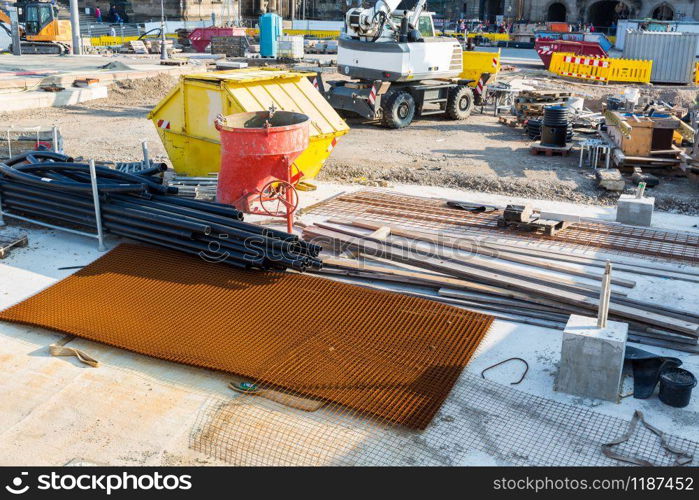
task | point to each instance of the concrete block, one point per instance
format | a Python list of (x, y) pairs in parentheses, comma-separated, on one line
[(592, 358), (610, 179), (635, 211), (231, 65), (41, 99)]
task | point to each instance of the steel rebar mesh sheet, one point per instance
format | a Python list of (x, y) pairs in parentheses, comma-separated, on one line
[(378, 353), (434, 214), (481, 421)]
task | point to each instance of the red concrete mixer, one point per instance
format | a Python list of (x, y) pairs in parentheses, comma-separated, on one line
[(257, 152)]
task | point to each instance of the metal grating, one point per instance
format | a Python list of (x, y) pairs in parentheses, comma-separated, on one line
[(480, 420), (373, 352), (434, 215)]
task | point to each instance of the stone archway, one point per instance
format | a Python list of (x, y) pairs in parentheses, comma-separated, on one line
[(663, 12), (605, 13), (557, 12)]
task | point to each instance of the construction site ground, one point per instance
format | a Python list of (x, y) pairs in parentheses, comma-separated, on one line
[(478, 154), (135, 410)]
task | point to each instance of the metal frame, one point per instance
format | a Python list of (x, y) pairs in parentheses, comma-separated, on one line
[(595, 149), (32, 130), (98, 215)]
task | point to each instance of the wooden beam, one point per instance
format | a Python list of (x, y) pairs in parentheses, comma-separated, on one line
[(559, 280), (462, 271), (484, 249)]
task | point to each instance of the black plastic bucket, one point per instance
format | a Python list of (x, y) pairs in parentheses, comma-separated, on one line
[(676, 387)]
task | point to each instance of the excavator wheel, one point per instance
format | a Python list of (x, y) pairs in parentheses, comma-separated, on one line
[(398, 110), (459, 103)]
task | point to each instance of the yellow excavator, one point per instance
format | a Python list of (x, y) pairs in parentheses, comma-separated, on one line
[(41, 32)]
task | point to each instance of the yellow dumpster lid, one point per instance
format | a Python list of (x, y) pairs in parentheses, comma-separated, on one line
[(246, 75), (260, 88)]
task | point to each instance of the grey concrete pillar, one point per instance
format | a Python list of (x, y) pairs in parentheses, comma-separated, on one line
[(16, 38), (76, 48)]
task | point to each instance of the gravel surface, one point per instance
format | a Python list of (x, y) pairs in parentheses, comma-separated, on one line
[(483, 155), (478, 154)]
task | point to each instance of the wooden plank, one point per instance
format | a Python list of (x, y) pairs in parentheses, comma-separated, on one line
[(458, 244), (380, 234), (7, 243), (435, 281), (463, 271), (559, 281), (642, 333)]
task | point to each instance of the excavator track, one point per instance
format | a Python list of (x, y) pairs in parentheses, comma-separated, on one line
[(44, 48)]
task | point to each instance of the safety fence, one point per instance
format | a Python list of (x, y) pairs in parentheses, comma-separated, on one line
[(696, 73), (494, 37), (115, 41), (604, 69), (309, 33)]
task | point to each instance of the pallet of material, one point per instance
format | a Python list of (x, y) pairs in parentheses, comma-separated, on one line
[(513, 122), (8, 242), (538, 149), (531, 103), (174, 62), (638, 135), (519, 285), (134, 47), (544, 95), (657, 162), (667, 160)]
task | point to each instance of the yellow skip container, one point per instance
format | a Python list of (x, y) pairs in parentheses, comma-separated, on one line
[(185, 117)]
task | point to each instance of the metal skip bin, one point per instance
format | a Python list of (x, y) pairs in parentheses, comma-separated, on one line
[(185, 117)]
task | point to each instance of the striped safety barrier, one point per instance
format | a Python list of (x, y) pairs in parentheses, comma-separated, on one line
[(587, 61), (602, 69), (585, 77)]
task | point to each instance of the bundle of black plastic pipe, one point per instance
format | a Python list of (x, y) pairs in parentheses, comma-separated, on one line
[(47, 185)]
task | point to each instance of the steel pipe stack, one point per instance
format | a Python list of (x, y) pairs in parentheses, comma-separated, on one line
[(46, 185)]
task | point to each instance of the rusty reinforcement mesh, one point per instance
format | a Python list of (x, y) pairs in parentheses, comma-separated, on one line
[(314, 341), (433, 214), (481, 422)]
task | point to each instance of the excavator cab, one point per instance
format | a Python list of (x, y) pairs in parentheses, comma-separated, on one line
[(44, 33), (37, 16)]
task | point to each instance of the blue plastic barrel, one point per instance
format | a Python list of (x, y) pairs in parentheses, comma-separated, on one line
[(270, 31)]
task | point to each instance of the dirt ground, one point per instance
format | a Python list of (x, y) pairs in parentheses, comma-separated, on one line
[(477, 154)]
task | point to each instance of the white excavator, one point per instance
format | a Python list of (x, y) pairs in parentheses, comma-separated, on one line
[(399, 68)]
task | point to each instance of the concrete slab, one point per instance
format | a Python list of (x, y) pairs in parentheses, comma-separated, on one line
[(40, 99), (30, 71)]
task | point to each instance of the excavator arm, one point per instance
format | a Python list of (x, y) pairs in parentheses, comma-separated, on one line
[(370, 23)]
